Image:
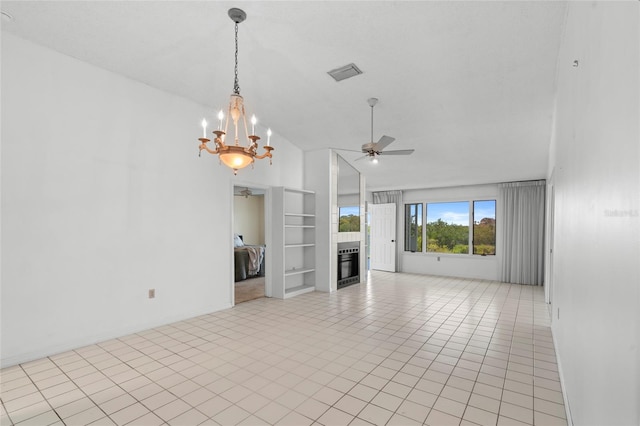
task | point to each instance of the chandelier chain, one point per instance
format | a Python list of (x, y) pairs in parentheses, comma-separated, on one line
[(236, 86)]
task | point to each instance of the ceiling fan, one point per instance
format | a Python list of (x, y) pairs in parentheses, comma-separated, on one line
[(246, 193), (373, 150)]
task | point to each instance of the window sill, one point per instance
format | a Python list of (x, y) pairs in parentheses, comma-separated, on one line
[(449, 255)]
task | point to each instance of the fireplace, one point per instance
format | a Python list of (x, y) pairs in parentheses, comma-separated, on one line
[(348, 263)]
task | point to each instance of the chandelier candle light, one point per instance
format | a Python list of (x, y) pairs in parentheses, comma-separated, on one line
[(236, 156)]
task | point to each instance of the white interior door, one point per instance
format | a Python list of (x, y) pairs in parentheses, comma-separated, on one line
[(383, 237)]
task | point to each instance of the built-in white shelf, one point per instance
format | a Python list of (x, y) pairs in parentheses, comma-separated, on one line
[(294, 241), (296, 291), (290, 272)]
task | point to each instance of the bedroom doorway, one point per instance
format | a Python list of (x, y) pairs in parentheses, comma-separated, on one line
[(249, 237)]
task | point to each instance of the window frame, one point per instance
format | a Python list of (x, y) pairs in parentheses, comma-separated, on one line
[(471, 204), (495, 228), (439, 253), (419, 223)]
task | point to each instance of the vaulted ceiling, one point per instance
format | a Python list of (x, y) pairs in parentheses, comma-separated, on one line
[(469, 85)]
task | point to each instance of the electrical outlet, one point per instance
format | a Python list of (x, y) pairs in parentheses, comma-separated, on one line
[(152, 293), (438, 258)]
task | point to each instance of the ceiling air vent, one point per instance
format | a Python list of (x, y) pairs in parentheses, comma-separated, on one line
[(345, 72)]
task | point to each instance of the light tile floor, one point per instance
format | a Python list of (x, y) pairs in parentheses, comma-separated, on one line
[(400, 350)]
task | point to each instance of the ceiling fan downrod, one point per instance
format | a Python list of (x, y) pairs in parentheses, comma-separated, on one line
[(372, 102)]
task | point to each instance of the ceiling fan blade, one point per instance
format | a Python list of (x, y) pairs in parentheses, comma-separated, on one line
[(398, 152), (361, 158), (383, 142)]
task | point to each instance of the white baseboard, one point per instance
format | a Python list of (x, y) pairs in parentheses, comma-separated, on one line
[(91, 340), (567, 409)]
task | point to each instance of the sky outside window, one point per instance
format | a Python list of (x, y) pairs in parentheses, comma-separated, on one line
[(456, 213), (346, 211), (483, 210)]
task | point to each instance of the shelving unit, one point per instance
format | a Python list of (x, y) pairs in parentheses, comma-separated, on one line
[(294, 236)]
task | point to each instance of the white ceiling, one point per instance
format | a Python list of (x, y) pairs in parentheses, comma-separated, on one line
[(469, 85)]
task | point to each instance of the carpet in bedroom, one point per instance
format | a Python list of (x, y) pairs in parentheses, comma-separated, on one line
[(250, 289)]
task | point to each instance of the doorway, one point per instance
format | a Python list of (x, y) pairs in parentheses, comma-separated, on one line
[(249, 237), (550, 241)]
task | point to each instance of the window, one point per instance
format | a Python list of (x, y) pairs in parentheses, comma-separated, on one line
[(413, 227), (484, 227), (349, 219), (448, 227)]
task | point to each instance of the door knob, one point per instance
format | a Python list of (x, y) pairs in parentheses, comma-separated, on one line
[(393, 241)]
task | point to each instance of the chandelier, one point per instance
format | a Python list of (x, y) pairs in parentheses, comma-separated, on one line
[(236, 156)]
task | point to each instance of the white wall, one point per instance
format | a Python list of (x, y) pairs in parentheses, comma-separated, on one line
[(248, 218), (348, 200), (321, 176), (103, 198), (595, 162), (454, 265), (320, 172)]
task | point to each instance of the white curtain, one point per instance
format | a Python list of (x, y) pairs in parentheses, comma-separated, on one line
[(386, 197), (522, 215)]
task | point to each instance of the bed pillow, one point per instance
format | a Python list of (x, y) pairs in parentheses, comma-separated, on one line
[(237, 241)]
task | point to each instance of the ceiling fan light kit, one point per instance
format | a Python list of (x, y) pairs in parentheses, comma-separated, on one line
[(236, 156)]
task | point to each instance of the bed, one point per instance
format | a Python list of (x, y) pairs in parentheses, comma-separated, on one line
[(248, 260)]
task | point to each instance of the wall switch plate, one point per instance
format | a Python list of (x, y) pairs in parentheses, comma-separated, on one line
[(152, 293), (438, 258)]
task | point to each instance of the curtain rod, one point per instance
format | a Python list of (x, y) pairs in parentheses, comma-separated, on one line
[(529, 180)]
